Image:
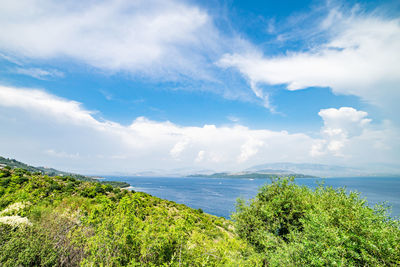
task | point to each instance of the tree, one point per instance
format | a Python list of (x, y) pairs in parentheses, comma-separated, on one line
[(295, 225)]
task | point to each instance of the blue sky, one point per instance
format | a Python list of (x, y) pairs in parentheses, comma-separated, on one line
[(103, 86)]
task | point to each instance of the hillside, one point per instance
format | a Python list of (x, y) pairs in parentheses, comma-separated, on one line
[(48, 221), (53, 172)]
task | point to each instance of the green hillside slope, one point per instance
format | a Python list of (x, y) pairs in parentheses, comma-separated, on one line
[(49, 221), (53, 172)]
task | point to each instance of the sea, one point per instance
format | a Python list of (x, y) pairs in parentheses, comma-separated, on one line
[(218, 196)]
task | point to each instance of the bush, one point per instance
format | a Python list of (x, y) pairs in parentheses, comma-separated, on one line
[(26, 246), (4, 173), (294, 225), (4, 181)]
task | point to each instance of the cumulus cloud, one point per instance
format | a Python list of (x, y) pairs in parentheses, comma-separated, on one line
[(64, 131), (152, 37), (345, 119), (339, 126), (61, 133), (178, 148), (360, 57), (349, 134), (249, 149)]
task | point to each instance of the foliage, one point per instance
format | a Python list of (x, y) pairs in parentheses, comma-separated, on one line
[(17, 165), (115, 184), (291, 225), (74, 223)]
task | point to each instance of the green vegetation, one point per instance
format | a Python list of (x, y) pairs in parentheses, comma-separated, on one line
[(53, 172), (291, 225), (61, 221), (115, 184), (47, 221)]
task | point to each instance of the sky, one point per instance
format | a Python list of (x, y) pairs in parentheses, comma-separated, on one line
[(100, 86)]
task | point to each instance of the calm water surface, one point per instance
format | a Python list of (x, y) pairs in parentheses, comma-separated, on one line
[(218, 196)]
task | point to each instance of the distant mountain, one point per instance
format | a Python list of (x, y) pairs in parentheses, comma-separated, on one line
[(53, 172), (301, 170), (320, 170), (252, 175), (181, 172)]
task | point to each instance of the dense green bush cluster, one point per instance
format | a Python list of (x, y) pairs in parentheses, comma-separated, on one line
[(291, 225), (61, 221), (50, 221)]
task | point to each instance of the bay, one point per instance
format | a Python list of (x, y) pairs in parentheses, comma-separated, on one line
[(218, 196)]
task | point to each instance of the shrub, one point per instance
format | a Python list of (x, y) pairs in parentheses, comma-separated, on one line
[(26, 246), (4, 173), (295, 225)]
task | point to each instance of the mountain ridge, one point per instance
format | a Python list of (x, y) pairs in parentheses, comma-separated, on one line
[(13, 163)]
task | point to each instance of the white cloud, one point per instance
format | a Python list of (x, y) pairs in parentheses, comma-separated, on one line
[(49, 130), (349, 134), (360, 58), (233, 118), (41, 74), (152, 37), (66, 131), (345, 119), (249, 149), (339, 126), (178, 148), (44, 104), (200, 156)]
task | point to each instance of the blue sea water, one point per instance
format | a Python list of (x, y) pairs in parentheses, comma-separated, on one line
[(218, 196)]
